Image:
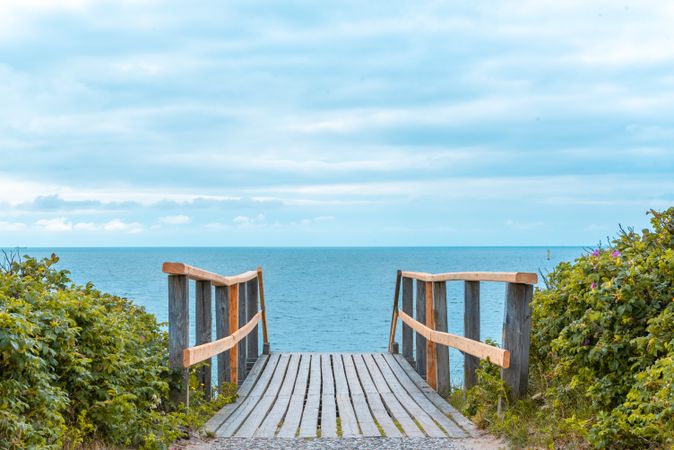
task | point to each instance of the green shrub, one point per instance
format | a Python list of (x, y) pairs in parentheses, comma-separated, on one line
[(78, 365), (602, 350)]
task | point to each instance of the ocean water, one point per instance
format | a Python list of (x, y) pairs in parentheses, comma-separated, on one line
[(318, 299)]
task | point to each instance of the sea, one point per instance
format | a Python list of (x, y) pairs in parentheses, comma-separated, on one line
[(318, 299)]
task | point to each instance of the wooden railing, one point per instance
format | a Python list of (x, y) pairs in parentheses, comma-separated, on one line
[(237, 316), (429, 320)]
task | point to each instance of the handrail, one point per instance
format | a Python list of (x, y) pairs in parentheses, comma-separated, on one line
[(202, 352), (496, 355), (195, 273), (507, 277)]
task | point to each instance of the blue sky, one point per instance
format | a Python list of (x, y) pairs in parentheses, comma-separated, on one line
[(333, 123)]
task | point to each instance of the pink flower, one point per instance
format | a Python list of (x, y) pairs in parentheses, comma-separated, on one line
[(616, 254), (594, 285), (596, 253)]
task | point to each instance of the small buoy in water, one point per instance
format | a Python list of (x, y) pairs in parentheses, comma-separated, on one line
[(548, 254)]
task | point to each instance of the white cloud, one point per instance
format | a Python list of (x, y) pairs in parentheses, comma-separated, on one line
[(56, 224), (12, 226), (117, 225), (85, 226), (245, 221), (179, 219)]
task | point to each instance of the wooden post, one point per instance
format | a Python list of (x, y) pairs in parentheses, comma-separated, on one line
[(408, 308), (516, 337), (221, 331), (178, 293), (471, 327), (252, 342), (441, 351), (204, 329), (242, 344), (394, 315), (421, 317), (431, 356), (265, 337), (233, 319)]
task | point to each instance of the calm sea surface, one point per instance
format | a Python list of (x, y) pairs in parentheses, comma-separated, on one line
[(318, 299)]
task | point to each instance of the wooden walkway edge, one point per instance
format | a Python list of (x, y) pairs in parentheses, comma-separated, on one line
[(337, 395)]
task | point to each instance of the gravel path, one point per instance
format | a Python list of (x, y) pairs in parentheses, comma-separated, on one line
[(343, 443)]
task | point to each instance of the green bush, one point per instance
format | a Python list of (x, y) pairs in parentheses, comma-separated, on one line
[(602, 354), (78, 365)]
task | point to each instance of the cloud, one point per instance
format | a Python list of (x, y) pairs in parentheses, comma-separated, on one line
[(117, 225), (246, 222), (12, 226), (56, 224), (179, 219)]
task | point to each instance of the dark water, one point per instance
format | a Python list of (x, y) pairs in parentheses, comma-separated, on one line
[(318, 299)]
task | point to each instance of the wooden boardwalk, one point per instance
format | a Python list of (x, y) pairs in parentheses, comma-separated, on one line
[(337, 395)]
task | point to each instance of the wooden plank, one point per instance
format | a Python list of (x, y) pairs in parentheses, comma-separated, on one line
[(498, 356), (293, 416), (241, 366), (233, 319), (441, 352), (471, 329), (202, 352), (212, 425), (265, 336), (309, 424), (507, 277), (391, 402), (435, 398), (409, 403), (221, 331), (360, 405), (421, 318), (252, 346), (373, 399), (346, 413), (266, 380), (448, 425), (328, 406), (179, 334), (431, 356), (280, 399), (516, 338), (394, 316), (195, 273), (408, 307), (204, 329)]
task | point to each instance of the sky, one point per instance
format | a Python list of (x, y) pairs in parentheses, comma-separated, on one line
[(303, 123)]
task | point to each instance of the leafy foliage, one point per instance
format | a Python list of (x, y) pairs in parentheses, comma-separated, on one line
[(78, 365), (602, 355)]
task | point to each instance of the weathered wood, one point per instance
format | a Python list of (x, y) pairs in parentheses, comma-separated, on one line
[(203, 352), (328, 405), (508, 277), (195, 273), (414, 410), (212, 425), (243, 315), (498, 356), (233, 299), (435, 398), (265, 336), (449, 426), (346, 413), (360, 405), (252, 348), (471, 327), (221, 331), (266, 384), (431, 355), (394, 315), (204, 329), (421, 318), (441, 351), (408, 307), (516, 338), (374, 401), (178, 299), (280, 397), (309, 424), (293, 416)]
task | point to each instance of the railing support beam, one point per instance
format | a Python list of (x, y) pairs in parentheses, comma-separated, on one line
[(516, 338), (408, 308), (252, 341), (421, 318), (441, 351), (204, 329), (471, 329), (221, 331), (178, 293)]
